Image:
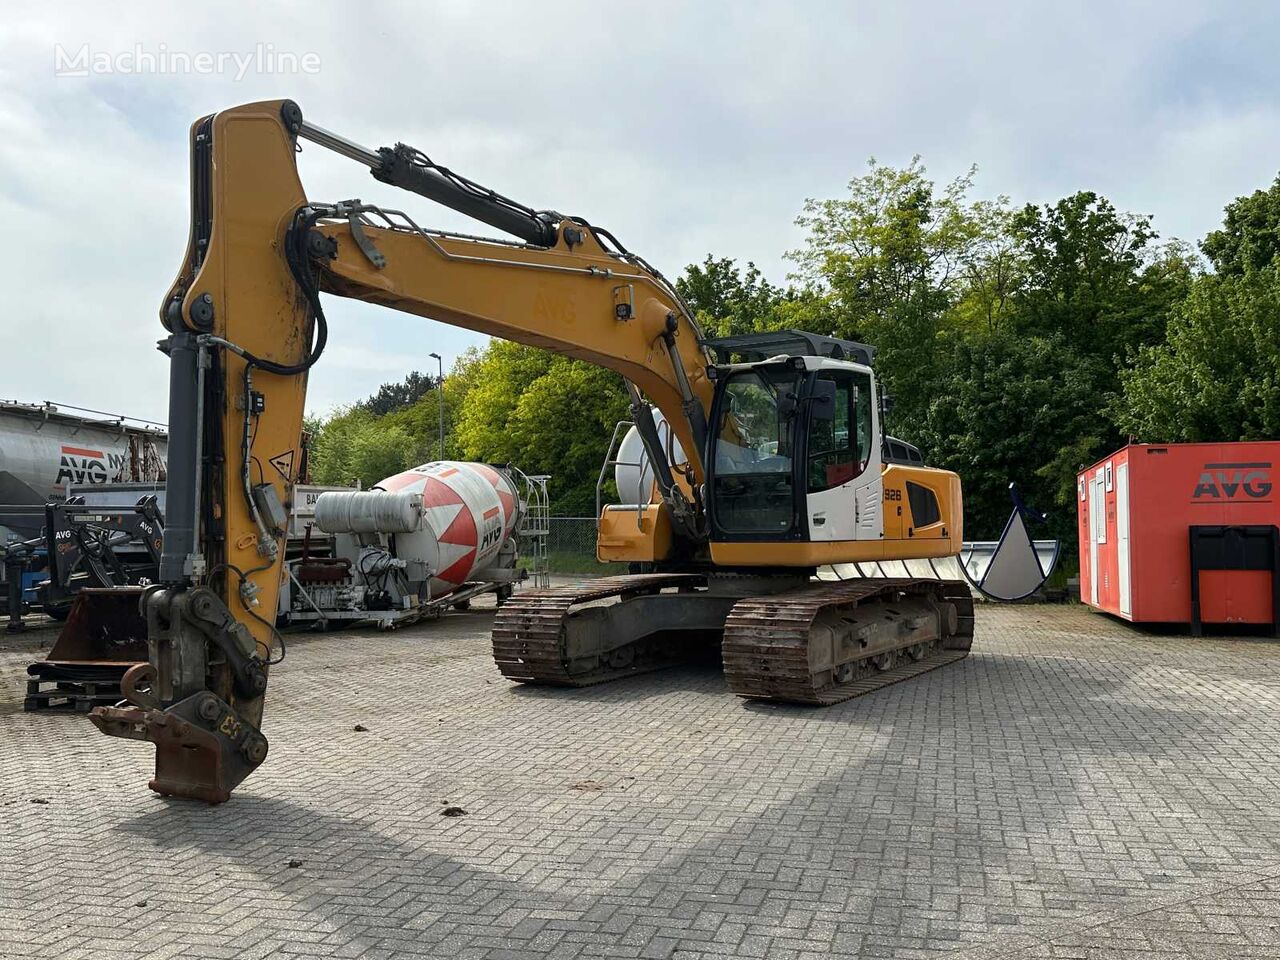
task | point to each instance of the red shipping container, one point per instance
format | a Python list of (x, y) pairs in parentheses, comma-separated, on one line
[(1140, 510)]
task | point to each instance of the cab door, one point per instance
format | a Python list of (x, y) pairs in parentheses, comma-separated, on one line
[(842, 460)]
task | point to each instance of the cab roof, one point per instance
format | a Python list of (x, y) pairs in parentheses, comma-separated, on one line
[(752, 347)]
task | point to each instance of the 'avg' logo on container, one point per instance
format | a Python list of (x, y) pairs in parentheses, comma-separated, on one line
[(81, 465), (1232, 481)]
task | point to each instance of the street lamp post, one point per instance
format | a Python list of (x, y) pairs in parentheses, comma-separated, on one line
[(440, 397)]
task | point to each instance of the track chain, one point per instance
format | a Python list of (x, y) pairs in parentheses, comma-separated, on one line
[(528, 632), (766, 640)]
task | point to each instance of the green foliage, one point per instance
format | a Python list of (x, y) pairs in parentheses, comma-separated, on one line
[(398, 395), (1094, 275), (545, 414), (354, 445), (1217, 377), (726, 301), (1014, 409), (1250, 236), (421, 419), (498, 379), (895, 257), (506, 403)]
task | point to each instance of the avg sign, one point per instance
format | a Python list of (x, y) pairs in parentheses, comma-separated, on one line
[(1229, 481), (84, 465)]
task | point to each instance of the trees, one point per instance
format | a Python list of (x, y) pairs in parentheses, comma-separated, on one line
[(386, 433), (1217, 375), (497, 379), (726, 301), (505, 403), (895, 257), (1021, 409), (397, 396), (545, 414), (1095, 275), (1250, 236), (355, 445)]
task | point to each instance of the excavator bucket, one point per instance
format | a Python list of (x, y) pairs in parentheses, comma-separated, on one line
[(104, 635), (203, 748)]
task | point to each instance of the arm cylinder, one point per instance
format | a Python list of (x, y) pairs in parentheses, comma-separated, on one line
[(399, 170), (394, 165)]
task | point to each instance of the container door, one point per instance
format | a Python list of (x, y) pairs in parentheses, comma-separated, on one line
[(1097, 529), (1122, 539)]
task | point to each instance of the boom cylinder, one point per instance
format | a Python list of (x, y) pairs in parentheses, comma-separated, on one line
[(182, 482)]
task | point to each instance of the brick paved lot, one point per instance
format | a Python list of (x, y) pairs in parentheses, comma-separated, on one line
[(1073, 789)]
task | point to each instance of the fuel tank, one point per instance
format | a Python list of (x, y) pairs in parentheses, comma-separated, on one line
[(449, 519)]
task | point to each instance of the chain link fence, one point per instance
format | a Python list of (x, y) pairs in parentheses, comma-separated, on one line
[(571, 548)]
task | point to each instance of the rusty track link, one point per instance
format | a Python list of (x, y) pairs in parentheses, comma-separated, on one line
[(766, 640), (528, 632)]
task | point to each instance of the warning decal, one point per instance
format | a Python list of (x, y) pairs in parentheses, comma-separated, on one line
[(283, 463)]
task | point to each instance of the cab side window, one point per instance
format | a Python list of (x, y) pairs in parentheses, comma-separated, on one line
[(839, 448)]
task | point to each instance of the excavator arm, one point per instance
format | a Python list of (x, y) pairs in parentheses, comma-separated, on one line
[(246, 323)]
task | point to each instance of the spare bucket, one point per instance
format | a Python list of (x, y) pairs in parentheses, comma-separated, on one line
[(104, 635)]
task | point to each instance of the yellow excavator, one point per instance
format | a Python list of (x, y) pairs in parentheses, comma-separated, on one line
[(765, 455)]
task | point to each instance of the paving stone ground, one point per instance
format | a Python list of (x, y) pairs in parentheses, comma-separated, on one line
[(1074, 789)]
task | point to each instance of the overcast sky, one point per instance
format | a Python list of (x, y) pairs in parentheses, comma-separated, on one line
[(684, 128)]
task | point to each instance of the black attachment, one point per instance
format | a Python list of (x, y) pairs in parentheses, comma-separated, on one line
[(291, 114), (202, 311), (321, 246), (410, 169), (822, 400), (184, 458)]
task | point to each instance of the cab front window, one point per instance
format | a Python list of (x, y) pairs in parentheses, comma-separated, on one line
[(752, 488)]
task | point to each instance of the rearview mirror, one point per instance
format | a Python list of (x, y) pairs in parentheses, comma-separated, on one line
[(822, 400)]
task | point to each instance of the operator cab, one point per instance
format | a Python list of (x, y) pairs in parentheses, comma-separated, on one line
[(794, 450)]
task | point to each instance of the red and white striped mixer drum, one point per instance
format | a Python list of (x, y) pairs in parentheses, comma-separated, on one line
[(469, 510)]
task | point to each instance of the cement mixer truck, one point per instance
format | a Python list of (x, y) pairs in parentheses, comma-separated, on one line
[(416, 544)]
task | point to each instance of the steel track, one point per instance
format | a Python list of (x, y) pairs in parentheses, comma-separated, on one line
[(529, 636), (766, 638)]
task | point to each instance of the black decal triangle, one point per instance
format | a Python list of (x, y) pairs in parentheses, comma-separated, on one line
[(283, 463)]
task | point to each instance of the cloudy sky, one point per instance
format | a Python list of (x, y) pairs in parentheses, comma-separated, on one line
[(685, 128)]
